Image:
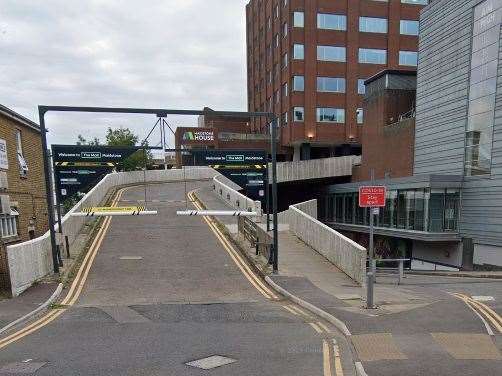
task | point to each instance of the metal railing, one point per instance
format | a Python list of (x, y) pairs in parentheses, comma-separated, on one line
[(399, 269)]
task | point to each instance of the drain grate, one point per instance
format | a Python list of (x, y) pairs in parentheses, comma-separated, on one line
[(211, 362)]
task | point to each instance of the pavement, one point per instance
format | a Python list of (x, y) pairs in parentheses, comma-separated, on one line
[(31, 299), (419, 327), (162, 292)]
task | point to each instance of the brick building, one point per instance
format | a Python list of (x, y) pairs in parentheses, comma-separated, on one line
[(388, 136), (22, 179), (308, 59), (218, 132)]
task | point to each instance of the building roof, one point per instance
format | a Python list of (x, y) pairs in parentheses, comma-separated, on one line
[(395, 72), (18, 118)]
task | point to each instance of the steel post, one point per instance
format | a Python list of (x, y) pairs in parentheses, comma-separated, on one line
[(48, 187), (274, 194)]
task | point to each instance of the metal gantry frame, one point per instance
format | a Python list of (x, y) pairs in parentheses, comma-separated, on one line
[(160, 113)]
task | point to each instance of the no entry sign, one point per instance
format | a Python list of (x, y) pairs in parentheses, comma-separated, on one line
[(372, 197)]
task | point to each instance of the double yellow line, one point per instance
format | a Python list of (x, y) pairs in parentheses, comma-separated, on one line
[(75, 289), (332, 365), (260, 285), (483, 311)]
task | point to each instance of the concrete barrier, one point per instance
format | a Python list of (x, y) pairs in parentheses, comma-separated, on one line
[(227, 191), (315, 168), (343, 252), (32, 260)]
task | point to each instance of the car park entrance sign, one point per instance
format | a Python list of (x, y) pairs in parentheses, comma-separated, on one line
[(372, 196)]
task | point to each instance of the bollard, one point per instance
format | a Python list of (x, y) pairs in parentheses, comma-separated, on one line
[(401, 272), (369, 295)]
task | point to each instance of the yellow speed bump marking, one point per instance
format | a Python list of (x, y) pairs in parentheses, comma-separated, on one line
[(492, 316), (241, 264), (107, 209), (74, 291)]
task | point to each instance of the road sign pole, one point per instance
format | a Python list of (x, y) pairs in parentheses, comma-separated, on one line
[(48, 188), (370, 274)]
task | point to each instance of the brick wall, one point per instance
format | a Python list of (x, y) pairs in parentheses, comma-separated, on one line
[(388, 145), (27, 194)]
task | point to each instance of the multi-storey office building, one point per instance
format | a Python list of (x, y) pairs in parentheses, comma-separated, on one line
[(450, 210), (308, 59)]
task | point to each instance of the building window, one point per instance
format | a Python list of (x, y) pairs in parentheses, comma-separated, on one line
[(298, 19), (276, 40), (361, 87), (372, 25), (372, 56), (330, 85), (285, 60), (23, 167), (420, 209), (331, 53), (277, 11), (332, 21), (285, 30), (360, 116), (284, 119), (417, 2), (483, 87), (331, 115), (285, 89), (298, 83), (298, 52), (8, 225), (409, 27), (298, 114), (408, 58)]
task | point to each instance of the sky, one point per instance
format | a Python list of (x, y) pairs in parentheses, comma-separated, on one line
[(123, 53)]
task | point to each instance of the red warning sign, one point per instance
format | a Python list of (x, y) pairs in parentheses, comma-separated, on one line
[(372, 197)]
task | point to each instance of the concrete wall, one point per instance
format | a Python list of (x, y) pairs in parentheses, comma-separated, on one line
[(32, 260), (446, 253), (346, 254), (315, 168), (227, 191)]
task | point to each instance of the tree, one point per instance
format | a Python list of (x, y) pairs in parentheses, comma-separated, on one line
[(82, 141), (124, 137)]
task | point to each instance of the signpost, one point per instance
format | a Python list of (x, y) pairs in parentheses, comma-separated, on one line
[(372, 197)]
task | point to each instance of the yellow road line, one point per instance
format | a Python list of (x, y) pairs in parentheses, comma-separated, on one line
[(486, 311), (245, 269), (338, 361), (54, 314), (290, 310), (315, 327), (326, 358), (243, 263), (324, 327)]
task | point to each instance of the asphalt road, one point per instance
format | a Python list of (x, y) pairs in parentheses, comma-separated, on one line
[(163, 292)]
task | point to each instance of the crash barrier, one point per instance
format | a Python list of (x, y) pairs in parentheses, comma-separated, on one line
[(343, 252), (228, 191), (257, 237), (32, 260), (399, 271)]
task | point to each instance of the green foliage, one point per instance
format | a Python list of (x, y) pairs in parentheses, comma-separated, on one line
[(82, 141), (123, 137)]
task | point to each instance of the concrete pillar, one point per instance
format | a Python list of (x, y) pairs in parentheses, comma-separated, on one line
[(297, 154)]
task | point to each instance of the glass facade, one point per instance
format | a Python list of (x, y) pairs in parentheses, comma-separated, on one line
[(483, 87), (423, 209)]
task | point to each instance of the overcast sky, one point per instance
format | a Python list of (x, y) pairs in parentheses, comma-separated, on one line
[(131, 53)]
